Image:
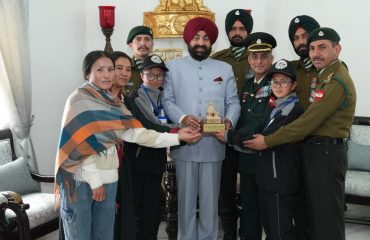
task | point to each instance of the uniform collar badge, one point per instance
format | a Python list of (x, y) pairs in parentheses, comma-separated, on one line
[(330, 76)]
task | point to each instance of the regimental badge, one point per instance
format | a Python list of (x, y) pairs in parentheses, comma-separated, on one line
[(156, 59), (281, 64), (258, 41), (319, 95), (321, 34), (313, 82), (245, 96), (237, 13), (296, 20)]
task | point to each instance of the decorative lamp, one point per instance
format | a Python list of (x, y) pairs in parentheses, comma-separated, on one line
[(106, 16)]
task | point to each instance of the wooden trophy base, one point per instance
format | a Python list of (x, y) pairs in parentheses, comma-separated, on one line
[(212, 127)]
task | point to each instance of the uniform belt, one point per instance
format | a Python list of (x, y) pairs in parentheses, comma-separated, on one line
[(315, 139)]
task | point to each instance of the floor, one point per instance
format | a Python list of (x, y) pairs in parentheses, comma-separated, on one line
[(353, 231)]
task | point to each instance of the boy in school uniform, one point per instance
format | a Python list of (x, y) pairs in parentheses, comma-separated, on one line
[(278, 169)]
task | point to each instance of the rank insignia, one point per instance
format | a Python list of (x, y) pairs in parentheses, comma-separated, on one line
[(319, 95), (330, 76)]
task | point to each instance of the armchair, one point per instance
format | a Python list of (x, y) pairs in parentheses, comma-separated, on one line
[(25, 212), (357, 184)]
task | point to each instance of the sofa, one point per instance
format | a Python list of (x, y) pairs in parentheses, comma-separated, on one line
[(357, 184), (25, 211)]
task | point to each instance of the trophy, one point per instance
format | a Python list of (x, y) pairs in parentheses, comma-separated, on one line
[(212, 122)]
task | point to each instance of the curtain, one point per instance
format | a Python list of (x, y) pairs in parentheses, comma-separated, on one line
[(15, 51)]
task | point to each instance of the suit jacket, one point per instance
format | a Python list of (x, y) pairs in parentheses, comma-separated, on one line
[(189, 87)]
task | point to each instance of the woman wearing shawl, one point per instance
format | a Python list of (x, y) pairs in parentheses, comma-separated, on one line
[(86, 163)]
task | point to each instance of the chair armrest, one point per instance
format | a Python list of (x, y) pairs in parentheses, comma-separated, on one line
[(13, 201), (42, 178)]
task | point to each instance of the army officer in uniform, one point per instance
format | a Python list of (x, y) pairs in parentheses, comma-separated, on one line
[(325, 127), (255, 111)]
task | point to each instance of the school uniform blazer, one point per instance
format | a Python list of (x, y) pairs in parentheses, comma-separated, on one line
[(189, 87)]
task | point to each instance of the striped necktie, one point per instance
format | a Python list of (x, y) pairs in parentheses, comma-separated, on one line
[(238, 52), (138, 63), (307, 63)]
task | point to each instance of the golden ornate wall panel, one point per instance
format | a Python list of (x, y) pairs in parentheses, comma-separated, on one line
[(170, 17)]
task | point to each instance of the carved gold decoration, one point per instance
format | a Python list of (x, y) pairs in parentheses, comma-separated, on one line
[(170, 17), (168, 53)]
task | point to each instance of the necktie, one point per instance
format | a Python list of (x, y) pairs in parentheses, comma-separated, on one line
[(238, 52)]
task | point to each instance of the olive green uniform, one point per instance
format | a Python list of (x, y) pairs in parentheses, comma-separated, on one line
[(240, 67), (306, 79), (255, 111), (324, 127), (227, 199)]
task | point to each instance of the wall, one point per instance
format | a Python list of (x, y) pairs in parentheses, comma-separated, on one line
[(62, 32)]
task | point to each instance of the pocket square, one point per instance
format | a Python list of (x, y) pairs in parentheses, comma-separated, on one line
[(217, 80)]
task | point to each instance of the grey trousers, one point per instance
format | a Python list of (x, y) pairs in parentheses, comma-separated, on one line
[(201, 180)]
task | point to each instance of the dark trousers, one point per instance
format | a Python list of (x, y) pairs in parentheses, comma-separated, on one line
[(325, 169), (302, 215), (277, 214), (227, 198), (251, 225), (147, 194)]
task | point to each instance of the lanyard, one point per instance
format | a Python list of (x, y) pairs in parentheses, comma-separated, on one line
[(157, 109)]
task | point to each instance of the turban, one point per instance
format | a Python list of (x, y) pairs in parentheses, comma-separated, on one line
[(306, 22), (239, 14), (197, 24)]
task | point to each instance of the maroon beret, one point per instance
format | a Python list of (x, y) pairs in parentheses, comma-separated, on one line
[(197, 24)]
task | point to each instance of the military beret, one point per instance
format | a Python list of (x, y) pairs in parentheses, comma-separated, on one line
[(260, 42), (239, 14), (153, 61), (323, 34), (284, 67), (306, 22), (197, 24), (139, 30)]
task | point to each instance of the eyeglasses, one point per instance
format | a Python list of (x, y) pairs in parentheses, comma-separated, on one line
[(282, 83), (152, 77)]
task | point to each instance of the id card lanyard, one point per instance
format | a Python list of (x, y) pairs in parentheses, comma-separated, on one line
[(158, 109)]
